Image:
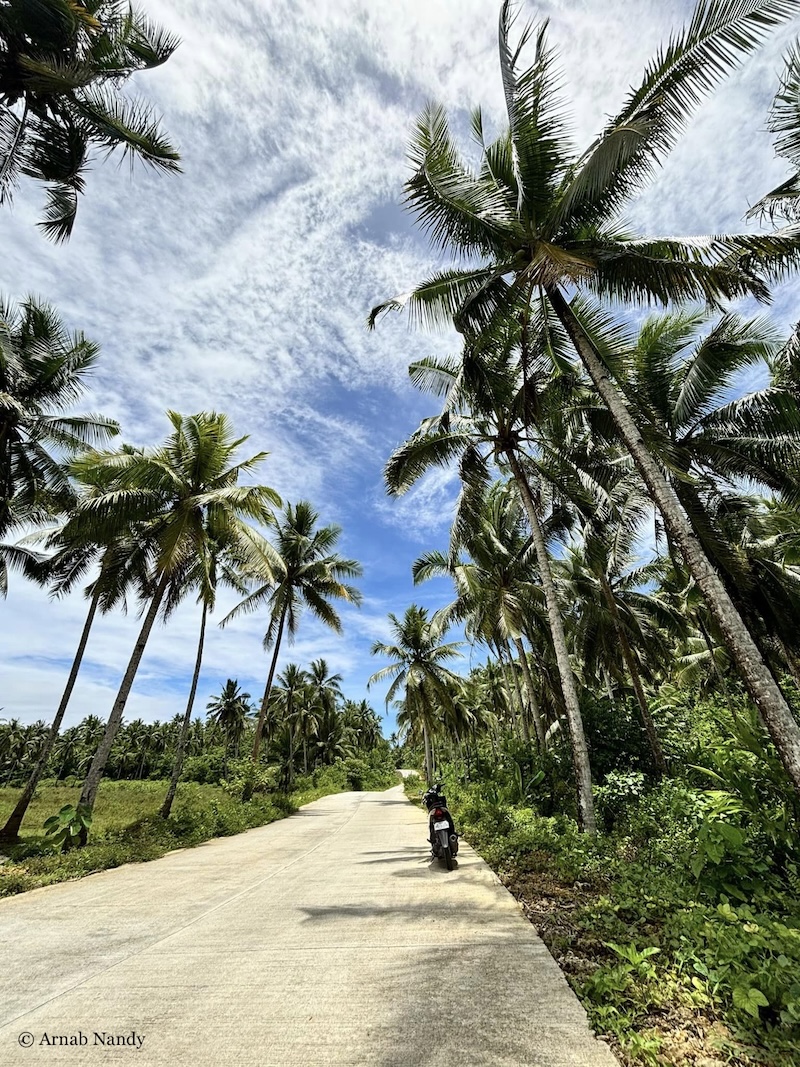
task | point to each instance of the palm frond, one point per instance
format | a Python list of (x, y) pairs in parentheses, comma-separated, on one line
[(454, 207), (540, 151), (719, 36)]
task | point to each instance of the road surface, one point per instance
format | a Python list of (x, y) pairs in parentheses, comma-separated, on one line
[(328, 938)]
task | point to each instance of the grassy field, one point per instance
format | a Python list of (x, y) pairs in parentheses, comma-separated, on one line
[(126, 827)]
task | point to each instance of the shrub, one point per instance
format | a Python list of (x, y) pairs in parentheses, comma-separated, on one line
[(206, 768)]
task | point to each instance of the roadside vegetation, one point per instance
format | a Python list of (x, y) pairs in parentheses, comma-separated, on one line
[(678, 924)]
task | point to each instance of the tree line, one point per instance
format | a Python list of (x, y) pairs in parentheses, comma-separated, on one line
[(311, 725)]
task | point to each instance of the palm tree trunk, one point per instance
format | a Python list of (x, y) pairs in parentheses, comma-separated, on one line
[(764, 690), (265, 699), (580, 751), (523, 704), (10, 831), (429, 768), (533, 703), (636, 680), (92, 782), (180, 749), (509, 684), (290, 775)]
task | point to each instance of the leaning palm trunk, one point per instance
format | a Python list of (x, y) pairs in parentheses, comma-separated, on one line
[(633, 670), (180, 749), (580, 751), (758, 678), (90, 786), (533, 703), (262, 715), (10, 831)]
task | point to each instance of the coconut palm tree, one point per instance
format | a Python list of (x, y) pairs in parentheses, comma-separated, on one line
[(62, 65), (363, 723), (784, 120), (494, 411), (43, 372), (334, 740), (300, 713), (680, 373), (418, 672), (175, 494), (540, 219), (615, 623), (323, 694), (300, 571), (122, 568), (495, 586), (229, 713), (12, 745)]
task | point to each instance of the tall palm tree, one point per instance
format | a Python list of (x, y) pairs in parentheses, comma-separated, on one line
[(175, 495), (540, 219), (12, 745), (614, 619), (680, 372), (495, 586), (418, 672), (229, 713), (301, 571), (784, 120), (300, 713), (488, 398), (43, 372), (62, 65), (324, 692), (363, 722)]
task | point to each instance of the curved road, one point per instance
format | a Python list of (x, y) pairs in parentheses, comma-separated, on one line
[(328, 938)]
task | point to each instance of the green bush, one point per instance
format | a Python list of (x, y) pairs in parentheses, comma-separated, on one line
[(619, 792), (206, 768), (357, 772), (246, 779)]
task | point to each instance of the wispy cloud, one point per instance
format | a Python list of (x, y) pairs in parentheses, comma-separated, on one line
[(243, 284)]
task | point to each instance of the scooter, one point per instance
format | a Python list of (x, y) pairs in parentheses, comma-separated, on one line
[(442, 832)]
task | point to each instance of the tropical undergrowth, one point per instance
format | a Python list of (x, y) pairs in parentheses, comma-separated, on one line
[(126, 827), (679, 925)]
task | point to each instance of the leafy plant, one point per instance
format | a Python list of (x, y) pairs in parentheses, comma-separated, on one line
[(65, 828)]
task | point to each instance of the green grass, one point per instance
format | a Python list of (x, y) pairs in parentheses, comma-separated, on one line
[(126, 827)]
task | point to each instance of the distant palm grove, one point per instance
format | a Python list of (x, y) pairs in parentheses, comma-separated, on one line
[(624, 553)]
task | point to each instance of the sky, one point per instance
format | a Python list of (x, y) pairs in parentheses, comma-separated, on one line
[(243, 285)]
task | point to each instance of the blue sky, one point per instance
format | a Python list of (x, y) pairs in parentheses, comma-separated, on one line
[(243, 284)]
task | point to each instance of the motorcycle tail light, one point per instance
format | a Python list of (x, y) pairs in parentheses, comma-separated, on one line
[(438, 813)]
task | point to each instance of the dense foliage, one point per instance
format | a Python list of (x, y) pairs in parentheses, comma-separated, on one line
[(679, 924)]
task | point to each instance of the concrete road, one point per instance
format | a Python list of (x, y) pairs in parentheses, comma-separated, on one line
[(328, 938)]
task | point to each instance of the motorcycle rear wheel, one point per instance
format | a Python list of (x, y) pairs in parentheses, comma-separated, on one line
[(448, 857)]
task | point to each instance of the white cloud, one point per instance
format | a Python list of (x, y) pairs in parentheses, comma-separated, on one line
[(243, 284)]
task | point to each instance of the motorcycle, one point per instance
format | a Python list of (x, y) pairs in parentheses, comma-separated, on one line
[(442, 832)]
